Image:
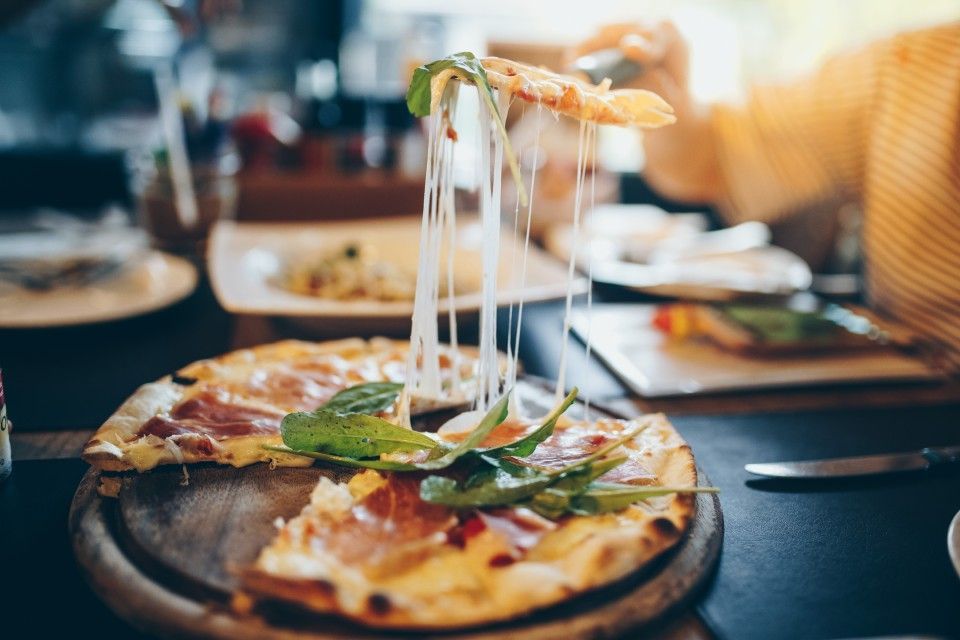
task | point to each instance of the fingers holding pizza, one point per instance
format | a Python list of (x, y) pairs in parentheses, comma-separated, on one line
[(681, 160)]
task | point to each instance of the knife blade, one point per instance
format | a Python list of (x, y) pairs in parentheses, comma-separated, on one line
[(858, 465)]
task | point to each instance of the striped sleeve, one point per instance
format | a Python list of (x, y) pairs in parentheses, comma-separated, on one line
[(795, 146)]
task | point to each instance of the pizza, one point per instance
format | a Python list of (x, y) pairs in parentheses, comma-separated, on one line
[(371, 549), (226, 409), (577, 99), (496, 514)]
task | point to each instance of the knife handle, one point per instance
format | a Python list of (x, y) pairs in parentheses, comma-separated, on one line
[(941, 455)]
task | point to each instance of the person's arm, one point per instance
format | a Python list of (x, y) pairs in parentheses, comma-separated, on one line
[(799, 145), (786, 149)]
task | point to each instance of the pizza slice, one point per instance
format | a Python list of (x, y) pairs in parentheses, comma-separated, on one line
[(563, 94), (577, 99), (226, 409), (534, 513)]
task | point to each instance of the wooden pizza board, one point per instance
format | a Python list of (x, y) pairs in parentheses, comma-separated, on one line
[(163, 557)]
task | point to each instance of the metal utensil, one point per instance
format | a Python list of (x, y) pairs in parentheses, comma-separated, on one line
[(859, 465), (953, 542), (607, 63)]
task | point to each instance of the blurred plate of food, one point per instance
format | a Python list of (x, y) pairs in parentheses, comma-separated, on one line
[(643, 248), (147, 282), (687, 348), (353, 275), (47, 249)]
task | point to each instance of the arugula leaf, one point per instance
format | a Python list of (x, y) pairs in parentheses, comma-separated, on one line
[(528, 444), (373, 463), (510, 481), (498, 485), (467, 67), (510, 465), (496, 415), (577, 480), (369, 398), (549, 503), (554, 501), (604, 498), (500, 489), (345, 438), (354, 435)]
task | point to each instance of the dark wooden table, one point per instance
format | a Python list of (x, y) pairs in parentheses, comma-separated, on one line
[(822, 560)]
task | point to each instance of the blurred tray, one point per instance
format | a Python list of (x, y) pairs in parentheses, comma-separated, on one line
[(652, 365)]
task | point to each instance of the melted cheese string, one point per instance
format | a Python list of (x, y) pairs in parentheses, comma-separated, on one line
[(488, 373), (422, 375), (515, 408), (514, 249), (593, 204), (586, 131)]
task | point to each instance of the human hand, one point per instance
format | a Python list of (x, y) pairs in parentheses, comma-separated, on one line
[(659, 49), (681, 161)]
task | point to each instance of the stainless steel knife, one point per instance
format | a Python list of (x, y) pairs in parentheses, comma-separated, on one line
[(858, 466)]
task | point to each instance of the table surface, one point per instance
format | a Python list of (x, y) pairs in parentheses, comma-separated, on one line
[(821, 560)]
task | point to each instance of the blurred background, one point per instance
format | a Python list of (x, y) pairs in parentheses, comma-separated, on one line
[(295, 110)]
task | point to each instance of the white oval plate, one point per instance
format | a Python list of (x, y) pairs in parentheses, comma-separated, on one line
[(155, 282), (760, 271), (624, 241), (245, 261)]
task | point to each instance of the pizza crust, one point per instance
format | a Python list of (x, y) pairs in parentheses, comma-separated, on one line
[(117, 447), (447, 586)]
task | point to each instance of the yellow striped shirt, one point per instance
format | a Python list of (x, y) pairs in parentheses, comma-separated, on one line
[(880, 127)]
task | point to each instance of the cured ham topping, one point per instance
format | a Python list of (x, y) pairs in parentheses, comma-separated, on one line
[(293, 390), (506, 432), (518, 528), (209, 414), (567, 446), (521, 527), (386, 523)]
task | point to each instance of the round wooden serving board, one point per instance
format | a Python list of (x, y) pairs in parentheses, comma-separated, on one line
[(162, 557)]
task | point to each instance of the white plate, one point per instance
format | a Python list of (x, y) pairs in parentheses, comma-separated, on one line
[(620, 239), (623, 231), (762, 271), (652, 365), (245, 260), (155, 282)]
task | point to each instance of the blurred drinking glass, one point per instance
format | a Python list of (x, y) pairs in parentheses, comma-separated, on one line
[(214, 188)]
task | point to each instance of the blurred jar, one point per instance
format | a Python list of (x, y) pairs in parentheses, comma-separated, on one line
[(214, 191)]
